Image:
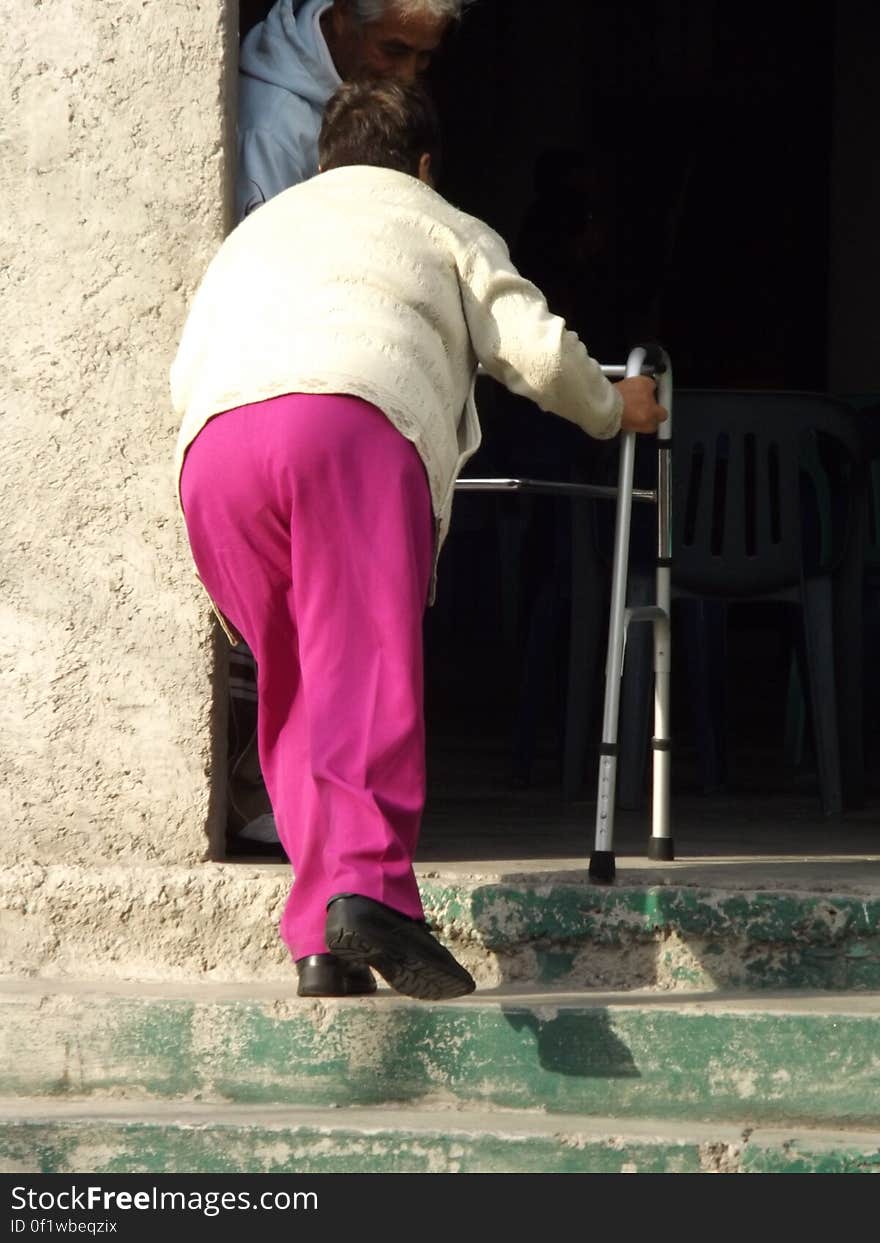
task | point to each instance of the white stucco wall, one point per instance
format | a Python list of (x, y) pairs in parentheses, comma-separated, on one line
[(113, 195)]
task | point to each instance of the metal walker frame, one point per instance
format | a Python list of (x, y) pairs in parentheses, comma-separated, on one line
[(651, 361)]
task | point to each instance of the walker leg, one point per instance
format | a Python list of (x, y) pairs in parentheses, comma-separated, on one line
[(660, 845), (602, 866)]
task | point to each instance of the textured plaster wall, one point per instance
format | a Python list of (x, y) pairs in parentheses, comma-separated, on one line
[(114, 193)]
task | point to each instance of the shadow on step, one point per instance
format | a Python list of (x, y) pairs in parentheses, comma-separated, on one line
[(572, 1044)]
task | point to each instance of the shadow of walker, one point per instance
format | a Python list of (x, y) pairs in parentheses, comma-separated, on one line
[(578, 1043)]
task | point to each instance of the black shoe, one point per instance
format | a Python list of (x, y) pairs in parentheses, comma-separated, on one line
[(362, 931), (325, 975)]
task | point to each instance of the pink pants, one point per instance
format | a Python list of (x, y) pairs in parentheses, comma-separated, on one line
[(310, 522)]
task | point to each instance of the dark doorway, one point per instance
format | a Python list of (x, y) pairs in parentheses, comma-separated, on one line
[(706, 125), (661, 170)]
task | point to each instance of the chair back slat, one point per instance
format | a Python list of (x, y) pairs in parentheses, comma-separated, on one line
[(750, 499)]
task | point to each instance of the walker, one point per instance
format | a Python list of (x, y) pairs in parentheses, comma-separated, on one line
[(652, 361)]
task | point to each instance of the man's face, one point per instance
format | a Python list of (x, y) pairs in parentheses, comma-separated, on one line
[(394, 47)]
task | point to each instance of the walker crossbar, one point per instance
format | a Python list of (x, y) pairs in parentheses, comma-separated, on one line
[(551, 487), (652, 361)]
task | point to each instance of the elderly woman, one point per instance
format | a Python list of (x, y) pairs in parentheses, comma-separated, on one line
[(323, 381)]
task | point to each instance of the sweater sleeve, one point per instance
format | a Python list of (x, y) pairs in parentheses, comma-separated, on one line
[(528, 349)]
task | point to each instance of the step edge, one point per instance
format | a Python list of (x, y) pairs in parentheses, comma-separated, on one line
[(447, 1122), (857, 1003)]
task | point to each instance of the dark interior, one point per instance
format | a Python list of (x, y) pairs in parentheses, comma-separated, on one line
[(662, 171)]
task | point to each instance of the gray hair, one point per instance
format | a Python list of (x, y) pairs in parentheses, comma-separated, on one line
[(372, 10)]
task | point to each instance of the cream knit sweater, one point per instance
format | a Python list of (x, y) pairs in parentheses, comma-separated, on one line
[(365, 281)]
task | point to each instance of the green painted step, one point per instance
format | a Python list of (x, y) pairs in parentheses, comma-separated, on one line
[(695, 929), (672, 936), (755, 1060), (45, 1137)]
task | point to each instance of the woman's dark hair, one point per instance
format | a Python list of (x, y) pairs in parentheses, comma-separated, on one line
[(383, 123)]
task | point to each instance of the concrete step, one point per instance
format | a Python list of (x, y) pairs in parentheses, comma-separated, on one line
[(46, 1136), (753, 1060), (672, 929), (568, 932)]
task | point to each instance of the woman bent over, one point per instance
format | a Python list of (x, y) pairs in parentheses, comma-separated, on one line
[(324, 385)]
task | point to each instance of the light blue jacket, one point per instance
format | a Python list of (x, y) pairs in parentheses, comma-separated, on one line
[(286, 76)]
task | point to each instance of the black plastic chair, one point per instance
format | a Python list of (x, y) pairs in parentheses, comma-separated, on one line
[(767, 490)]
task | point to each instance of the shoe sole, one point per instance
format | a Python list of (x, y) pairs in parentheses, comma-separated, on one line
[(346, 988), (408, 974), (347, 992)]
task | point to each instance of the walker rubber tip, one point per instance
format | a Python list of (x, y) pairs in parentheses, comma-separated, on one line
[(602, 869), (661, 848)]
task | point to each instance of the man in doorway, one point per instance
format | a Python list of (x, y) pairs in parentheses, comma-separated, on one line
[(293, 61)]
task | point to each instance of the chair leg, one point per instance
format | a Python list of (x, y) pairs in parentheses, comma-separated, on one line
[(704, 641), (817, 601)]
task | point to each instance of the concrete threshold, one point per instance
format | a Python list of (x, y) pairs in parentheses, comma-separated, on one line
[(220, 921)]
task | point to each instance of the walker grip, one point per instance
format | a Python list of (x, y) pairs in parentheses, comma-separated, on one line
[(656, 358)]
